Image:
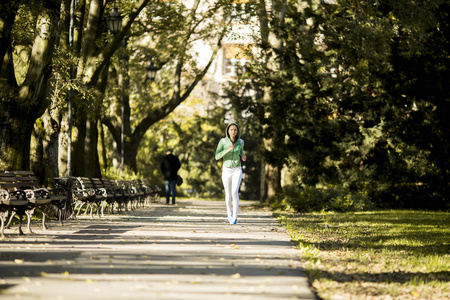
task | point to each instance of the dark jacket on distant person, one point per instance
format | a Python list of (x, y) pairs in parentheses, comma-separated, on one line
[(170, 166)]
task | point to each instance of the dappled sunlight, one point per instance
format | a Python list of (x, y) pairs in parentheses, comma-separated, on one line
[(186, 251), (403, 254)]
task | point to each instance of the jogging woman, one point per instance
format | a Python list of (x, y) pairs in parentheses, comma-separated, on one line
[(231, 149)]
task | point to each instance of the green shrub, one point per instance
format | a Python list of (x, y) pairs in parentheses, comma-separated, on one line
[(312, 199), (117, 173)]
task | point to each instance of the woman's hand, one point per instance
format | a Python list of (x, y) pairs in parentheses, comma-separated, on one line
[(244, 157), (231, 147)]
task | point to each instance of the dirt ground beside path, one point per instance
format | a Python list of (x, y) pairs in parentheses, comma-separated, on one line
[(183, 251)]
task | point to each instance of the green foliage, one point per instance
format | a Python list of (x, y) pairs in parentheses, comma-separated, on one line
[(125, 174), (358, 99), (329, 198), (166, 35), (150, 155), (193, 130)]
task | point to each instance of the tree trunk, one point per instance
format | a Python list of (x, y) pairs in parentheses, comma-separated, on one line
[(20, 106), (273, 180), (78, 145), (55, 119), (92, 162), (131, 158), (16, 129), (103, 143), (271, 172), (45, 161), (91, 70), (85, 151)]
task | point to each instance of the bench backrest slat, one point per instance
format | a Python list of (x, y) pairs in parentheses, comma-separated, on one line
[(97, 183), (86, 183), (26, 178), (18, 179), (8, 181)]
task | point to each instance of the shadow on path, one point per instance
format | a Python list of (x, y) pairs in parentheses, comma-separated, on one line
[(187, 251)]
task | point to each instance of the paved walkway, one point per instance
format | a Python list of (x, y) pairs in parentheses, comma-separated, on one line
[(187, 251)]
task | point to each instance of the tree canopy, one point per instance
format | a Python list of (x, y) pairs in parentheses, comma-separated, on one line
[(360, 98), (344, 94)]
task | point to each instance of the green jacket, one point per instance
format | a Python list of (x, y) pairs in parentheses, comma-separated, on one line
[(231, 159)]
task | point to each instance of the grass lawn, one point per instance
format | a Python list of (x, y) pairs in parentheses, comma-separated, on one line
[(374, 255)]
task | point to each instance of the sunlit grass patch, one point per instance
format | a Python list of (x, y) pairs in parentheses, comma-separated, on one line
[(397, 254)]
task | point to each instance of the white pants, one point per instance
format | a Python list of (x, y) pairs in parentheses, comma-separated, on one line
[(231, 178)]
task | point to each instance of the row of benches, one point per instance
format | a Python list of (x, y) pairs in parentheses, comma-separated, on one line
[(21, 194)]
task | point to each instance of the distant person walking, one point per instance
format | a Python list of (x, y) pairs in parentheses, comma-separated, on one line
[(231, 149), (170, 166)]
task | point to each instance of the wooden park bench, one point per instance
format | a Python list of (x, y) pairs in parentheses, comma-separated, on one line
[(64, 208), (11, 199), (110, 194), (85, 192), (144, 192), (140, 192), (154, 190), (101, 194), (21, 194), (128, 194)]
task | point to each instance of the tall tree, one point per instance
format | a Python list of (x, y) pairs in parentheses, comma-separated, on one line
[(24, 88), (348, 88), (272, 16), (173, 46), (94, 57)]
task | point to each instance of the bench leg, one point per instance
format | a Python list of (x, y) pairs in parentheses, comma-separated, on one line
[(3, 217), (80, 205), (20, 225), (68, 210), (44, 226), (104, 203), (92, 210), (109, 207), (19, 213), (29, 213), (8, 225), (60, 217)]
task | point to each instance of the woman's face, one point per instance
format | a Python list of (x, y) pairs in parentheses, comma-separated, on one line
[(232, 132)]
